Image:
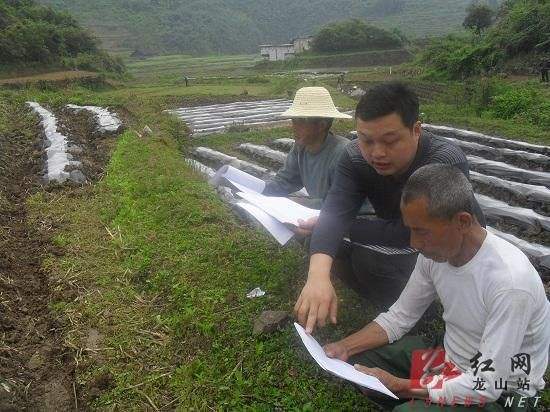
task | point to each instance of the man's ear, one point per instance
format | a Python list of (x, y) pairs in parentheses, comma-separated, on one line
[(464, 220), (417, 129)]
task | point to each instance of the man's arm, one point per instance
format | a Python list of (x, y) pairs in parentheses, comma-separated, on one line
[(390, 326), (288, 178), (318, 299), (371, 336), (343, 201)]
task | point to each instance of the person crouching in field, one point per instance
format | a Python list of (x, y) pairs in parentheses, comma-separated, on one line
[(496, 314), (313, 158)]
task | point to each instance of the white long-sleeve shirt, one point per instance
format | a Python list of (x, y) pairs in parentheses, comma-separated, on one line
[(494, 305)]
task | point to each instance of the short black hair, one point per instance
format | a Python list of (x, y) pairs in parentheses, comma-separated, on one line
[(387, 98)]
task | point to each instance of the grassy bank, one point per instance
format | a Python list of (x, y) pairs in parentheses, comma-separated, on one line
[(162, 269), (153, 275)]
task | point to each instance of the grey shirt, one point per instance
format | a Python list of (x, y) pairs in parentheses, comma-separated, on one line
[(314, 171)]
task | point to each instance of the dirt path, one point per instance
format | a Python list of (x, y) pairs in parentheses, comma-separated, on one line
[(36, 370), (55, 77)]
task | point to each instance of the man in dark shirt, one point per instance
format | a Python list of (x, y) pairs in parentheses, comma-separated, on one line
[(378, 260)]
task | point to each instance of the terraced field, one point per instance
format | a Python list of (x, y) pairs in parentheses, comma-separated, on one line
[(180, 65), (511, 179)]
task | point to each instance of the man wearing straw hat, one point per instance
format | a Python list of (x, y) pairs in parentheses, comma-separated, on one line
[(376, 260), (313, 158)]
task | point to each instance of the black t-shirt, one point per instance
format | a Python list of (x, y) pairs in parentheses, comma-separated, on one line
[(355, 180)]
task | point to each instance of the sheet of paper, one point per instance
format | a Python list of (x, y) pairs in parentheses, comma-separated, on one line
[(243, 179), (339, 368), (281, 208), (241, 187), (279, 231)]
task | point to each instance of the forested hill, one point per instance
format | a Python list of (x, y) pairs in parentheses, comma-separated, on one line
[(228, 26), (34, 36)]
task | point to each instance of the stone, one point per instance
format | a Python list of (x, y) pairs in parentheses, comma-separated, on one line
[(93, 343), (77, 176), (269, 321), (36, 361), (147, 131), (75, 150)]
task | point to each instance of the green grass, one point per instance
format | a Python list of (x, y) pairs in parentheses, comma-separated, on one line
[(450, 108), (161, 266), (160, 68), (161, 269), (165, 268)]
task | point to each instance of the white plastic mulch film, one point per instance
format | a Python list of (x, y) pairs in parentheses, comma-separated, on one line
[(218, 117), (56, 150), (107, 122)]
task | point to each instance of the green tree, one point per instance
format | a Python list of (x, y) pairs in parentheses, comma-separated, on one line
[(479, 17), (354, 35), (38, 35), (522, 29)]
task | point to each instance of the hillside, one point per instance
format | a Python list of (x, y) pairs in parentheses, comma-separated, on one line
[(34, 36), (230, 26), (516, 43)]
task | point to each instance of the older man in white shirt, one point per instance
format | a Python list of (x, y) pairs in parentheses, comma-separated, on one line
[(496, 313)]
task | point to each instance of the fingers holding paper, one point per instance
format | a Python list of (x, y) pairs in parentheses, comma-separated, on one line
[(305, 227)]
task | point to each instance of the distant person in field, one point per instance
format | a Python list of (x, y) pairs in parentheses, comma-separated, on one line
[(312, 160), (544, 67), (340, 82)]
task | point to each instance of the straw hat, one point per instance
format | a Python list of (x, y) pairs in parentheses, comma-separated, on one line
[(313, 102)]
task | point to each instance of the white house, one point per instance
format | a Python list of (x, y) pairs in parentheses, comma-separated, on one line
[(275, 53), (302, 44)]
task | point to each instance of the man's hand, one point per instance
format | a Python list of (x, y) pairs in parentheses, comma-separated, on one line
[(336, 350), (305, 227), (316, 302), (393, 383)]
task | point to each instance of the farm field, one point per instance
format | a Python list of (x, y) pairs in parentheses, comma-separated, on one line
[(142, 272)]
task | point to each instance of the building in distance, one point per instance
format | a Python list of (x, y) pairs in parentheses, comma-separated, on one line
[(285, 51)]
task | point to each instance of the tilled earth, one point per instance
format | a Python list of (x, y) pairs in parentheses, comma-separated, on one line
[(37, 370)]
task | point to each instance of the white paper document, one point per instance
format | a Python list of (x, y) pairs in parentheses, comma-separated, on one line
[(281, 208), (271, 212), (241, 180), (340, 368), (280, 232)]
